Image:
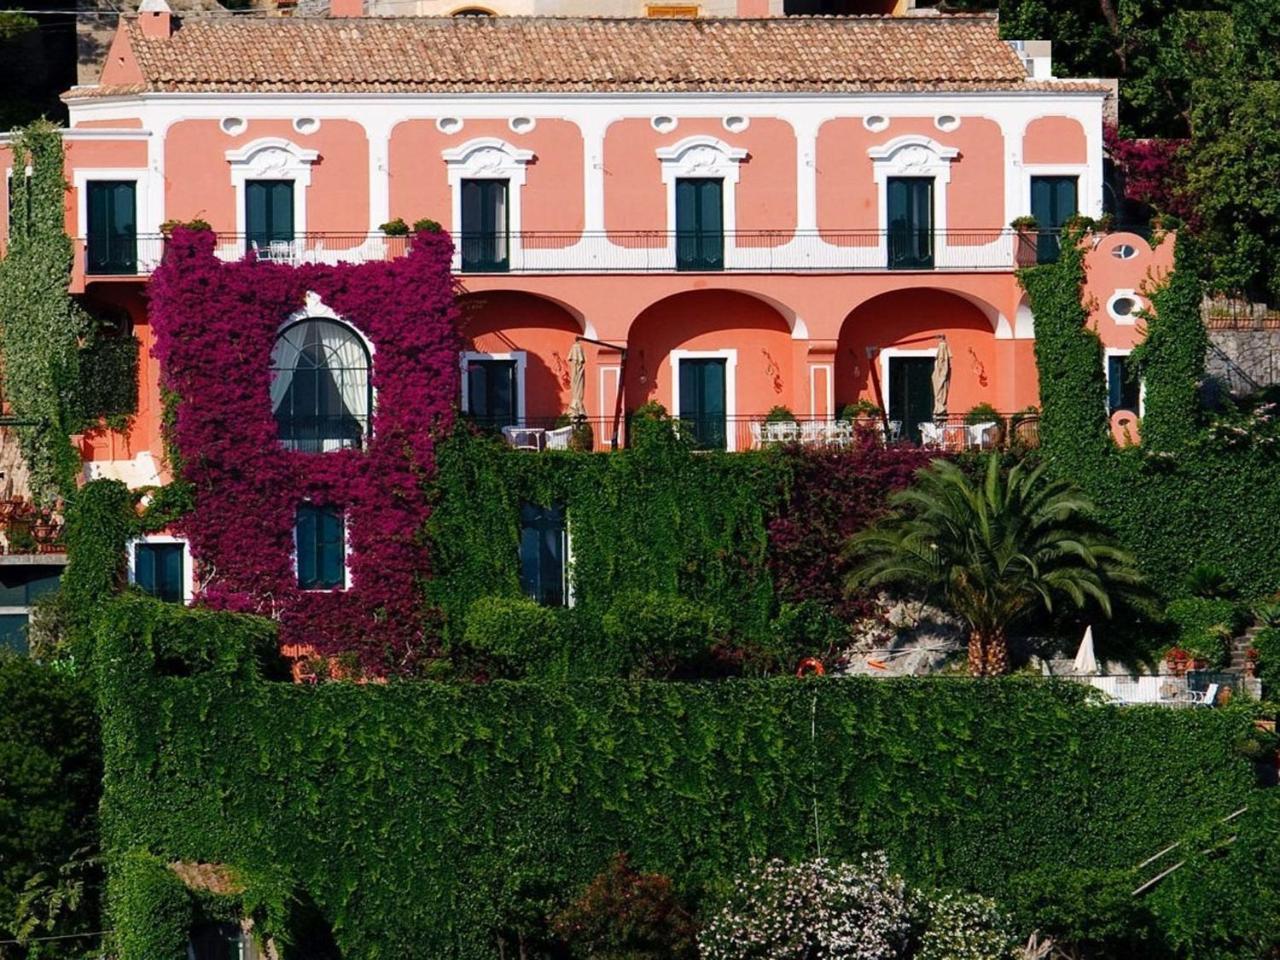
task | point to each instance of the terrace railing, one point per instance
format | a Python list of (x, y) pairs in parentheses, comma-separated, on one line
[(738, 433), (628, 251)]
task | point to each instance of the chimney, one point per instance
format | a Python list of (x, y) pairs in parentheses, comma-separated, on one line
[(346, 8), (156, 19)]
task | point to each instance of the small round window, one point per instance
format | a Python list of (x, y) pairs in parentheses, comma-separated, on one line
[(875, 123), (449, 124), (233, 125), (1124, 251), (946, 122), (1124, 306), (663, 124)]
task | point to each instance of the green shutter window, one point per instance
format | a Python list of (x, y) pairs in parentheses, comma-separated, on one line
[(268, 212), (158, 569), (1124, 392), (910, 222), (543, 550), (112, 242), (910, 391), (1054, 201), (484, 226), (321, 545), (699, 224), (702, 402)]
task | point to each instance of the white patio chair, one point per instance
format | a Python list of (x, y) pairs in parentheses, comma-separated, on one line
[(931, 434), (982, 435), (1207, 698), (524, 438), (814, 431), (781, 431), (756, 439), (559, 438), (895, 431), (840, 432)]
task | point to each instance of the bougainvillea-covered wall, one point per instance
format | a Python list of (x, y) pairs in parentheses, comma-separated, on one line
[(215, 325)]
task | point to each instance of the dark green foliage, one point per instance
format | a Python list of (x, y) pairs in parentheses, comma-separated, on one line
[(1201, 501), (627, 915), (100, 521), (779, 414), (1208, 580), (1091, 908), (1204, 628), (50, 776), (1267, 643), (1171, 360), (656, 518), (659, 633), (151, 911), (518, 638), (424, 819), (109, 379)]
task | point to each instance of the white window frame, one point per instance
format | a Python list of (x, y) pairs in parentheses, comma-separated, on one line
[(272, 158), (346, 552), (708, 158), (488, 158), (1106, 376), (886, 354), (913, 155), (188, 564), (1140, 304), (1078, 170), (730, 356), (521, 358), (83, 176), (314, 308)]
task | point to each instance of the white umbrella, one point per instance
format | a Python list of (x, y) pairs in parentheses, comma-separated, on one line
[(941, 379), (1086, 664), (577, 380)]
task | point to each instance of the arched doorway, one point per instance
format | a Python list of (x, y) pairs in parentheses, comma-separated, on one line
[(515, 359), (717, 359), (887, 350)]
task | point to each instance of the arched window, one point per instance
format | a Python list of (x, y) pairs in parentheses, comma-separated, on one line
[(320, 390)]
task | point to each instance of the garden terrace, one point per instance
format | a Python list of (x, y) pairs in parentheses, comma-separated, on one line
[(463, 813)]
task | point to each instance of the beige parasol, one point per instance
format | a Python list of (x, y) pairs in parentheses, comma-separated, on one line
[(577, 380), (941, 379)]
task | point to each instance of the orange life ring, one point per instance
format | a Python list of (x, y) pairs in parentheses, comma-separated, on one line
[(810, 666)]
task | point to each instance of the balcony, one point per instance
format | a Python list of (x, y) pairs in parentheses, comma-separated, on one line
[(950, 434), (636, 251)]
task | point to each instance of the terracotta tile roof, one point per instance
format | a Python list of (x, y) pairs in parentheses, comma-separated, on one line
[(545, 54), (212, 878)]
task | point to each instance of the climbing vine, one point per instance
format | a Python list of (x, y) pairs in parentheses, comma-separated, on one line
[(43, 326)]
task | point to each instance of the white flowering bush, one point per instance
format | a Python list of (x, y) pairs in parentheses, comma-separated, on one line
[(817, 910), (962, 927)]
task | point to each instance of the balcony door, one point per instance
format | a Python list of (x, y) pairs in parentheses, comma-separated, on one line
[(1053, 202), (268, 213), (699, 224), (484, 226), (703, 402), (910, 390), (910, 222), (111, 206), (492, 398)]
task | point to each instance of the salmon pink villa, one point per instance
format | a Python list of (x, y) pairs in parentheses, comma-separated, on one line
[(721, 216)]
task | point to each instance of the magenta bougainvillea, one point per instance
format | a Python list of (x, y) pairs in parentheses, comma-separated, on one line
[(1153, 170), (215, 326)]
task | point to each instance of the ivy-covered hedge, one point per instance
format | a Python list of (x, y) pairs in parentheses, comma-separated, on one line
[(1184, 497), (428, 819)]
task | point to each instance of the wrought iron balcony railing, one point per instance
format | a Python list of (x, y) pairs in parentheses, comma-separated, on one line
[(630, 251)]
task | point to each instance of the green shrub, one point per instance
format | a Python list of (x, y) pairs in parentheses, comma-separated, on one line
[(860, 410), (1090, 910), (427, 225), (660, 632), (1267, 643), (1209, 581), (517, 637), (1204, 628), (983, 413), (779, 414), (395, 228), (805, 629)]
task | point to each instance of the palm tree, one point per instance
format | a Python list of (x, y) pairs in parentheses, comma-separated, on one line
[(992, 551)]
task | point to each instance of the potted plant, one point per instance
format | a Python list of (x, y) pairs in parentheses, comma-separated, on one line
[(985, 413), (779, 414), (1176, 658), (860, 410), (167, 228), (395, 228), (1251, 662), (427, 225), (1027, 239)]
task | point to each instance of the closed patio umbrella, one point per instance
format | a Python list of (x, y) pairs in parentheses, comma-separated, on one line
[(941, 379), (577, 380), (1086, 663)]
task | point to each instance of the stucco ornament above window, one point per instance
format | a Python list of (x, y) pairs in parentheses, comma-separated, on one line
[(272, 158), (701, 157), (913, 154), (487, 157)]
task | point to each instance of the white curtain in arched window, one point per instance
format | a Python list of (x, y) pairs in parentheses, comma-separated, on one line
[(328, 407)]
